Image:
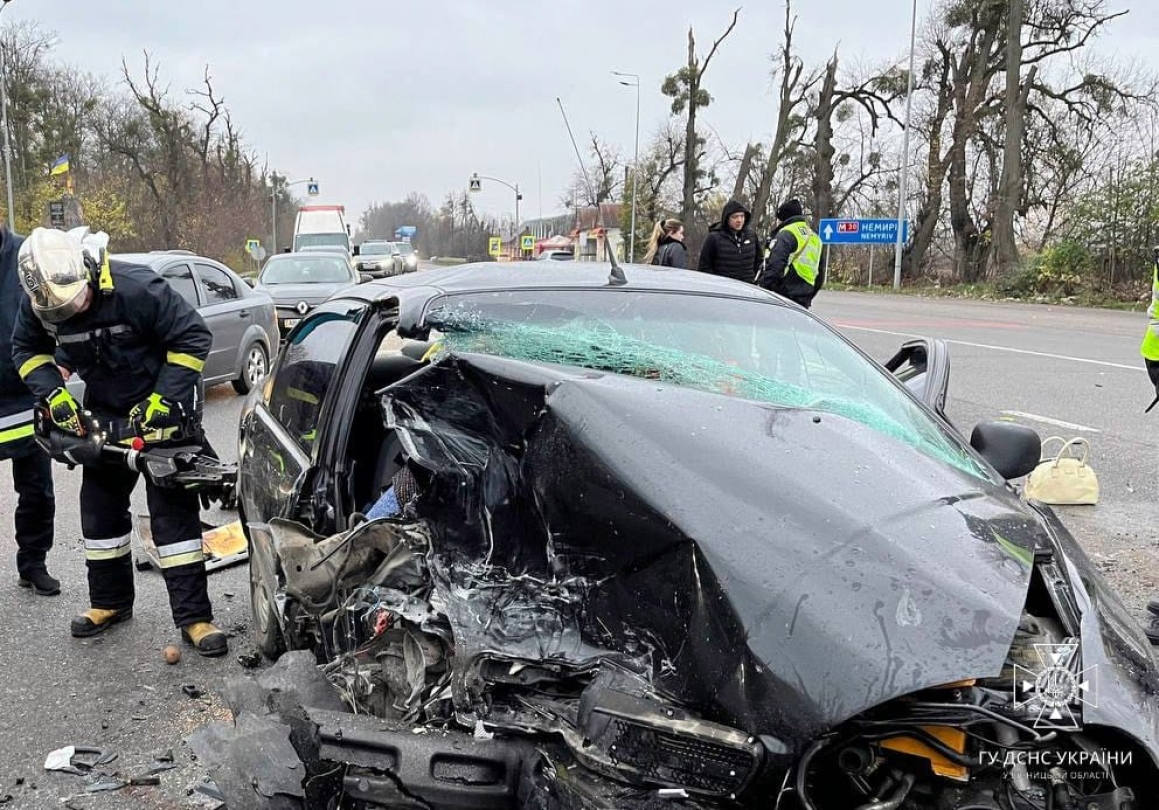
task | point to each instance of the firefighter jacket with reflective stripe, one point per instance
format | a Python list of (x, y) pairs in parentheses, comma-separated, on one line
[(793, 268), (16, 401), (139, 338), (1150, 347)]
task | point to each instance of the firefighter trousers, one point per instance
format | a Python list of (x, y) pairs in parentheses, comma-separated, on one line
[(175, 518), (35, 510)]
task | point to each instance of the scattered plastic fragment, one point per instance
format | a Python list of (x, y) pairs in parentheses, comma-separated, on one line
[(192, 690), (60, 759)]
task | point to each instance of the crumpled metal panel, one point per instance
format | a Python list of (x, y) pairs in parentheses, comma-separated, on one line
[(782, 571)]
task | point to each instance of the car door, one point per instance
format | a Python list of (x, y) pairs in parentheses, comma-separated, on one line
[(281, 433), (227, 314), (924, 367)]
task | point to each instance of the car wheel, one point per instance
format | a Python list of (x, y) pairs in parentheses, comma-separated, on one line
[(266, 632), (253, 370)]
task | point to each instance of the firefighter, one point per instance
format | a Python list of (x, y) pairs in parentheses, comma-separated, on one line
[(31, 468), (793, 268), (140, 348)]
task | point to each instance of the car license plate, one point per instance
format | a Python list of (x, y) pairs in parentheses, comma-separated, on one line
[(290, 323)]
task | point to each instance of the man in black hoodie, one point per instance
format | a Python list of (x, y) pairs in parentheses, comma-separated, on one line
[(794, 269), (731, 248)]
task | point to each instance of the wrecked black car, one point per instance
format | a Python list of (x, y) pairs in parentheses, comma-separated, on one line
[(652, 538)]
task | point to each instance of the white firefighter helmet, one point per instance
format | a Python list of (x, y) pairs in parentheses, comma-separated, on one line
[(54, 273)]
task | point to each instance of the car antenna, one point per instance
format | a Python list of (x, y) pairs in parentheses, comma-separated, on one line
[(616, 278)]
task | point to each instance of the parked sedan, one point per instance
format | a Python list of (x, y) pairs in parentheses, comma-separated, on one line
[(580, 538), (298, 282), (245, 329)]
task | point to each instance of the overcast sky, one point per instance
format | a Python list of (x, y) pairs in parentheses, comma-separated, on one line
[(378, 98)]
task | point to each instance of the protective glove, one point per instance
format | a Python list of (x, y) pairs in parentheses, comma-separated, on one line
[(157, 419), (65, 412)]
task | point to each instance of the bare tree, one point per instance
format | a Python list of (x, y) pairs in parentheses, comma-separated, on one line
[(686, 89)]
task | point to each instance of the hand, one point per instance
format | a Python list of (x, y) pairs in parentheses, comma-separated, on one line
[(65, 412), (157, 419)]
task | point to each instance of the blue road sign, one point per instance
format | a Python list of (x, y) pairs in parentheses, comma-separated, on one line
[(405, 230), (861, 231), (312, 189)]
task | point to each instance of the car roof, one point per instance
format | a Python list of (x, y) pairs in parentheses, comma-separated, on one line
[(311, 254), (496, 276)]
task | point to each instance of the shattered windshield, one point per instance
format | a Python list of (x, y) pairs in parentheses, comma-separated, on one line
[(739, 348)]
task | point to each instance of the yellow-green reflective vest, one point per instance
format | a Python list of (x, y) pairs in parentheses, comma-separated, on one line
[(806, 259), (1150, 347)]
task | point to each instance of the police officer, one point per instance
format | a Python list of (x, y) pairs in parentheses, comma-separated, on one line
[(140, 348), (31, 468), (1150, 352), (793, 268)]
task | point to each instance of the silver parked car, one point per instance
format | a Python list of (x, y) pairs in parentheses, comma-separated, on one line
[(243, 322)]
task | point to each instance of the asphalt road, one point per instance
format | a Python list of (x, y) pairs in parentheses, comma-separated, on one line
[(1063, 371), (1037, 365)]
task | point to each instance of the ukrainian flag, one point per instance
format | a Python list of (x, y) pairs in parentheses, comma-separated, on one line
[(60, 166)]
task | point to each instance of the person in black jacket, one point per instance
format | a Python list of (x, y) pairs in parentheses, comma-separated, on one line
[(731, 248), (793, 268), (140, 348), (666, 246), (31, 467)]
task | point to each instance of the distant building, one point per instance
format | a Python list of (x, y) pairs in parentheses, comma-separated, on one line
[(597, 231)]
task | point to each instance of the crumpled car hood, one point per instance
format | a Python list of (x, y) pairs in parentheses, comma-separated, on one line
[(781, 570)]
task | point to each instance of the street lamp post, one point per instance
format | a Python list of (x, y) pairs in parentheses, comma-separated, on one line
[(4, 124), (274, 207), (901, 192), (635, 160), (518, 196)]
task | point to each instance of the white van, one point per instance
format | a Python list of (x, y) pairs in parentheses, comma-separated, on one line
[(322, 226)]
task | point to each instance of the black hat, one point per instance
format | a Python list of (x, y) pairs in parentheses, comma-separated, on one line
[(789, 209)]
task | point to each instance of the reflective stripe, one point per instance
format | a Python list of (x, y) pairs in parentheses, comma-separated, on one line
[(85, 337), (187, 552), (301, 396), (31, 364), (186, 360), (15, 434), (16, 419), (107, 542), (108, 548), (179, 548)]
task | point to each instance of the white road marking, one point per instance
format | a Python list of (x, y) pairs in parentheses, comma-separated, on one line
[(1056, 422), (1107, 363)]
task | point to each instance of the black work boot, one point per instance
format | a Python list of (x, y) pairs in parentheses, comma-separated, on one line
[(41, 582), (1152, 631), (206, 639), (97, 620)]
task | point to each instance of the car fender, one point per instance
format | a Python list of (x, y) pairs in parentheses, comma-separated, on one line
[(254, 333)]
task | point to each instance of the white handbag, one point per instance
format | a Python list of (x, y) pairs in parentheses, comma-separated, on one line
[(1064, 479)]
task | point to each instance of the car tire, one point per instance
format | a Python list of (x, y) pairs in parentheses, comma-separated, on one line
[(254, 369), (265, 630)]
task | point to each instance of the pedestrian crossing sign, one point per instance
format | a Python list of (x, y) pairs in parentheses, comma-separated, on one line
[(494, 245)]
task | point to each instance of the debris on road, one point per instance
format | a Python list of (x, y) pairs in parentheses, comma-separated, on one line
[(172, 654), (60, 759), (250, 659), (192, 690), (106, 784)]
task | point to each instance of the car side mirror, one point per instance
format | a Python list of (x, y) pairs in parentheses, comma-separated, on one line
[(250, 280), (365, 277), (1012, 450)]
